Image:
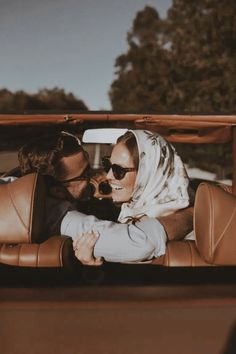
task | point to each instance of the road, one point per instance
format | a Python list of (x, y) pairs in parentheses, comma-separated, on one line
[(117, 320)]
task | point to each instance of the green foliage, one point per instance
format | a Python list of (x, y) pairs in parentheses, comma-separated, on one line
[(44, 100), (208, 157), (184, 63)]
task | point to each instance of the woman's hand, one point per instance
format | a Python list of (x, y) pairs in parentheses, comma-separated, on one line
[(84, 245)]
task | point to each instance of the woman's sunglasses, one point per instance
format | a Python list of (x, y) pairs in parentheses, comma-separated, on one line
[(118, 171)]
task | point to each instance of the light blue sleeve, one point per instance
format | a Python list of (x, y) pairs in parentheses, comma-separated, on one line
[(119, 242), (7, 179)]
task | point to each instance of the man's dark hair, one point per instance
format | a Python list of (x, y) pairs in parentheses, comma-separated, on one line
[(44, 153)]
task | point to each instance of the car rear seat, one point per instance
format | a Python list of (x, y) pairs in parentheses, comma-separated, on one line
[(215, 224), (23, 239), (25, 243), (215, 231)]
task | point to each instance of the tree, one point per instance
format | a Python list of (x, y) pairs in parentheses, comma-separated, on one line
[(202, 37), (185, 63), (142, 73), (44, 100)]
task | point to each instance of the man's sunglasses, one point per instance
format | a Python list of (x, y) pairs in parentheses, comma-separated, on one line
[(118, 171), (85, 176)]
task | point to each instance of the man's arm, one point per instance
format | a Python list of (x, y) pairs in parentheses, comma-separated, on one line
[(178, 224), (125, 242), (119, 242)]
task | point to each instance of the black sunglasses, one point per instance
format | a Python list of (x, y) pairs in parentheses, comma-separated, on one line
[(85, 176), (118, 171)]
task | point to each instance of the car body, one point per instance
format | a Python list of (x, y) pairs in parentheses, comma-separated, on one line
[(119, 308), (195, 130)]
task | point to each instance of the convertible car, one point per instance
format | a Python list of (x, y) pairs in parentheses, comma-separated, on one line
[(23, 244), (184, 302)]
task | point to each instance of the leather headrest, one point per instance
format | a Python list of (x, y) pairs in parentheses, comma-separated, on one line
[(57, 251), (22, 208), (215, 224)]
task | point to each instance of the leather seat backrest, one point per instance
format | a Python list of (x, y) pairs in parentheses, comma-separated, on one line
[(22, 209), (181, 254), (215, 224)]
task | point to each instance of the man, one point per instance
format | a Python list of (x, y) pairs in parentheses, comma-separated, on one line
[(63, 157), (59, 155)]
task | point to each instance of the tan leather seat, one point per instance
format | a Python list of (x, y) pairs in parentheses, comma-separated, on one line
[(215, 224), (181, 254), (215, 231), (22, 210), (55, 252), (24, 241)]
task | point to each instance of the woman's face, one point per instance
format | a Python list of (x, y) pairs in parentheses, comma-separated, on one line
[(122, 189)]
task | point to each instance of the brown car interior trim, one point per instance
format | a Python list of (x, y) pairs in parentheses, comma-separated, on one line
[(176, 128)]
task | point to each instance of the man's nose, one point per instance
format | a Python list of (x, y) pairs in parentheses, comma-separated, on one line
[(110, 174)]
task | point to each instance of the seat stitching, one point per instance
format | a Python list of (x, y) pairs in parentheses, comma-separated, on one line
[(191, 252), (31, 208), (211, 226), (225, 229), (60, 254), (15, 208)]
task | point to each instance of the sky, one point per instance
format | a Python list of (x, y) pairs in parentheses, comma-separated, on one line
[(70, 44)]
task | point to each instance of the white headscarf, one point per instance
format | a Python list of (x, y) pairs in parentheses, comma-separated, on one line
[(161, 185)]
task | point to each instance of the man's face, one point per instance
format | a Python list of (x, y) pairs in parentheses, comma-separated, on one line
[(76, 166)]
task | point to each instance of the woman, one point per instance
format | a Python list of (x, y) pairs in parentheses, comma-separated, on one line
[(157, 186), (147, 176)]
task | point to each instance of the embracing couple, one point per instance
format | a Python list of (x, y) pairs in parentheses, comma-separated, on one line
[(147, 178)]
